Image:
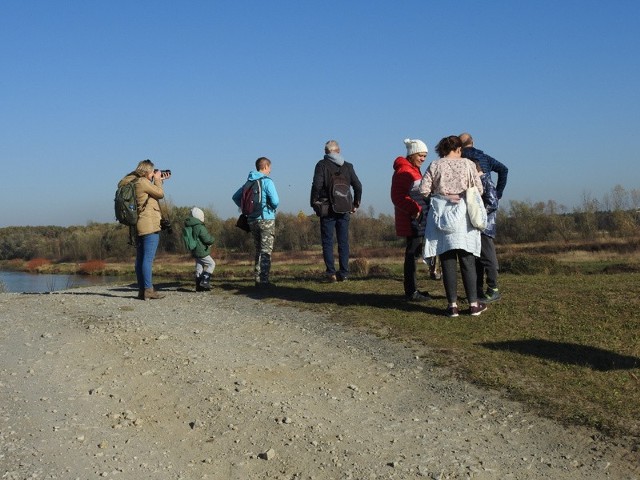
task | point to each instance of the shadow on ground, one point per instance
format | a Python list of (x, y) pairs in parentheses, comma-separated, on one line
[(335, 295), (568, 353)]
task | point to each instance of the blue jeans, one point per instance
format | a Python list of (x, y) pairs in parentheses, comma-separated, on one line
[(145, 253), (340, 223)]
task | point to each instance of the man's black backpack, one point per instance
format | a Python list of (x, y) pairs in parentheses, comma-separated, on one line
[(125, 204), (340, 193)]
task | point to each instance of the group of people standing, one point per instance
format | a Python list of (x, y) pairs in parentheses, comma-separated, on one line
[(430, 213)]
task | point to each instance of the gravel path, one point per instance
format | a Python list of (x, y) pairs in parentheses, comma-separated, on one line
[(96, 384)]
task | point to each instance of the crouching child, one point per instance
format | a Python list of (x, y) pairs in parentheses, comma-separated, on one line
[(198, 241)]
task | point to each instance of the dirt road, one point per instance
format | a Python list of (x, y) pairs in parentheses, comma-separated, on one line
[(95, 384)]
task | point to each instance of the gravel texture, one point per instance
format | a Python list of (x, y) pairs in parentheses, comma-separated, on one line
[(96, 384)]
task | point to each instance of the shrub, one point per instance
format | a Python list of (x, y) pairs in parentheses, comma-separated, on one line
[(92, 267), (379, 271), (529, 265), (360, 267), (14, 265), (36, 264)]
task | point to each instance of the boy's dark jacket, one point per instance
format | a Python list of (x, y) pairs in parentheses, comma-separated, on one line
[(203, 238)]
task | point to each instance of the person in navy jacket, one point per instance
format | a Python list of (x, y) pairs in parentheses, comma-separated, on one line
[(487, 163)]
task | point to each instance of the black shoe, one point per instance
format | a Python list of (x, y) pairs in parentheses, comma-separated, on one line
[(419, 297), (204, 283), (477, 310), (452, 312), (491, 296)]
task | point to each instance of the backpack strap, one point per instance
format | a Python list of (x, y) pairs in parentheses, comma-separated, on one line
[(259, 180)]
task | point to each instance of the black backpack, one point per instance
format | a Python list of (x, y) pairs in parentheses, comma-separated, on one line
[(340, 193)]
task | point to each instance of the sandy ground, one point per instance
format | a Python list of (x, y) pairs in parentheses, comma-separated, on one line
[(96, 384)]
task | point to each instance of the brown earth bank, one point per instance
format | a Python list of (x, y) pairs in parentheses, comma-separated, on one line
[(96, 384)]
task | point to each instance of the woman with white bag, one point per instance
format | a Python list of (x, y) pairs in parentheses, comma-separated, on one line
[(449, 232)]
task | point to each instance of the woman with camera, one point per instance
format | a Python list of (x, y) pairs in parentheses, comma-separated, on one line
[(148, 187)]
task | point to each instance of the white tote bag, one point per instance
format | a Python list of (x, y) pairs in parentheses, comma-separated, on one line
[(475, 206)]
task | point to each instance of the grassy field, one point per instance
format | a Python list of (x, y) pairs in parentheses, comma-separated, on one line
[(564, 340)]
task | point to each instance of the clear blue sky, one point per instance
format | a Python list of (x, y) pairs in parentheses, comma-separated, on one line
[(89, 88)]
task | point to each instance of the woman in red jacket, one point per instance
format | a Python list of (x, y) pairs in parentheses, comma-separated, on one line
[(410, 207)]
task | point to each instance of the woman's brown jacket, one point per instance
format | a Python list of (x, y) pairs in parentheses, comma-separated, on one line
[(147, 196)]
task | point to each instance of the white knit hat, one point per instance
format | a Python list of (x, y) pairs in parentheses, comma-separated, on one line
[(197, 213), (415, 146)]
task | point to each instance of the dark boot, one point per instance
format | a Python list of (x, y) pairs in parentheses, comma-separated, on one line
[(151, 294), (205, 283), (198, 280), (140, 293)]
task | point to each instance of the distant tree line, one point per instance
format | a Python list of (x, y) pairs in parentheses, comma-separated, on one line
[(617, 215)]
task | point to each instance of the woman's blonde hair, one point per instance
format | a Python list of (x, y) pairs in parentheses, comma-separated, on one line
[(144, 168)]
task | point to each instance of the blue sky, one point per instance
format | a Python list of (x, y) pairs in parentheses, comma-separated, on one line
[(88, 89)]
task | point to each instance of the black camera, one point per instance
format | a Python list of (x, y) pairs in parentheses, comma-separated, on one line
[(163, 173), (165, 224)]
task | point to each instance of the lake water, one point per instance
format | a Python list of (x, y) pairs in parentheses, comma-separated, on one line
[(22, 282)]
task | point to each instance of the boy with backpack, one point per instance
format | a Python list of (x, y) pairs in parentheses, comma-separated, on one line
[(333, 202), (198, 241), (258, 200)]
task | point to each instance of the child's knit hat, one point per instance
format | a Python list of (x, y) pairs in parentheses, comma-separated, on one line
[(197, 213)]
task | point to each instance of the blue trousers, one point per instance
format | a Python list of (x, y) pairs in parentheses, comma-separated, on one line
[(145, 253), (338, 222)]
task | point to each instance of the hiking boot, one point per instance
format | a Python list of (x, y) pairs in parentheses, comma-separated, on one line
[(419, 297), (478, 309), (491, 296), (205, 284), (151, 294), (452, 312), (340, 278), (140, 294), (435, 276), (331, 279)]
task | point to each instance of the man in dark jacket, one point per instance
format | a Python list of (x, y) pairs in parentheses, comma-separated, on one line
[(487, 164), (322, 201)]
